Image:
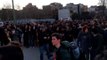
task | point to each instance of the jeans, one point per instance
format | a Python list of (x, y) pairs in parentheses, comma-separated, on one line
[(45, 49)]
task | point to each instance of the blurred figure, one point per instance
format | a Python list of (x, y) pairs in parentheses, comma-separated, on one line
[(26, 36), (5, 37), (61, 52), (43, 43), (84, 41), (97, 43), (101, 56), (12, 51)]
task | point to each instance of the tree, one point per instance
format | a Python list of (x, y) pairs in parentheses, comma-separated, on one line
[(30, 11), (6, 14), (75, 16), (103, 2), (103, 5), (17, 7), (85, 15), (7, 6), (56, 5)]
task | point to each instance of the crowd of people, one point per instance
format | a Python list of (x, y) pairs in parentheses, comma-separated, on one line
[(89, 35)]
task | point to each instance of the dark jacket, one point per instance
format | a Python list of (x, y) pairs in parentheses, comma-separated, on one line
[(63, 53), (84, 41), (97, 44), (101, 56), (11, 53), (3, 37)]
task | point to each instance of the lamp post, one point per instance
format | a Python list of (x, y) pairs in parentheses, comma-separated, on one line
[(13, 10), (104, 7)]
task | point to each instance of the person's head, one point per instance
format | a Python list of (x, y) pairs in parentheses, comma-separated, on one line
[(56, 39), (85, 28)]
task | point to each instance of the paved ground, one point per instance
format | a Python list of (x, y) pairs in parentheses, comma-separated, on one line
[(31, 53)]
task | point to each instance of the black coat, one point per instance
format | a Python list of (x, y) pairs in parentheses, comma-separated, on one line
[(3, 37), (11, 53)]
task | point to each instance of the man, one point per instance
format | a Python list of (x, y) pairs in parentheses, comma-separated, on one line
[(12, 51), (97, 43), (102, 55), (84, 41), (43, 43), (4, 35), (61, 52)]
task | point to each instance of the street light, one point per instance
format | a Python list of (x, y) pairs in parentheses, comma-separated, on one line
[(13, 10)]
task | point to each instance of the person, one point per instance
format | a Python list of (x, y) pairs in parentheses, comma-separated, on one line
[(60, 52), (4, 36), (97, 43), (43, 43), (84, 41), (12, 51), (102, 55)]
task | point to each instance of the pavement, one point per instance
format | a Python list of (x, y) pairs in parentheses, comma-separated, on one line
[(32, 53)]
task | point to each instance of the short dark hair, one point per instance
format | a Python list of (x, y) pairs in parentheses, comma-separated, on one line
[(57, 35)]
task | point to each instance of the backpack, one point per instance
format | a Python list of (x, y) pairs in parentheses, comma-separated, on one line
[(73, 48)]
